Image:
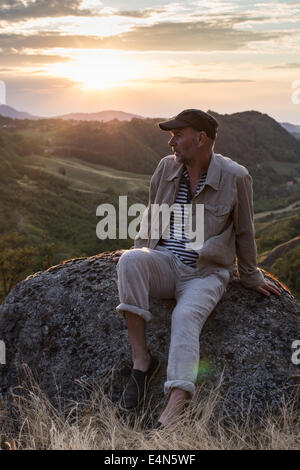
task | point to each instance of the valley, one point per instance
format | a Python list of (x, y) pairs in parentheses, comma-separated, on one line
[(54, 174)]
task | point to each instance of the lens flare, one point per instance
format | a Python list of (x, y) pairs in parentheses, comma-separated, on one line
[(203, 370)]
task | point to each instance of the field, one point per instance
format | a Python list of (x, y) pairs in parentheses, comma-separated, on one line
[(96, 424), (89, 177)]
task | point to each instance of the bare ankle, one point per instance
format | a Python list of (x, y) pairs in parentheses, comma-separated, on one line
[(142, 362), (177, 394), (178, 398)]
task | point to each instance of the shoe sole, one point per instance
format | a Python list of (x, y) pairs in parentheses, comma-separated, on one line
[(146, 391)]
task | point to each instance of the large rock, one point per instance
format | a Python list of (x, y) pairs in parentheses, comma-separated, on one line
[(63, 324)]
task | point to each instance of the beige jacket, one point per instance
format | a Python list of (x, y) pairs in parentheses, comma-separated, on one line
[(228, 215)]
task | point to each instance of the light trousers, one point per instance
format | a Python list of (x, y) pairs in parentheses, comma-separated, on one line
[(161, 274)]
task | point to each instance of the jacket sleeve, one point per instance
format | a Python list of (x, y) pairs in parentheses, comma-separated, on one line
[(246, 251)]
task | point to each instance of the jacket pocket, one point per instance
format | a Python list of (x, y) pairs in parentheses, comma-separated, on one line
[(218, 209), (215, 218)]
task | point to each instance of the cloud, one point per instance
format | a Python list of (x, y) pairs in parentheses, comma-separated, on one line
[(188, 80), (15, 10), (140, 13), (35, 83), (22, 59), (286, 66), (167, 36), (48, 40)]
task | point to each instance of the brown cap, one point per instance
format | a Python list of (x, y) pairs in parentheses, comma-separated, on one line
[(195, 118)]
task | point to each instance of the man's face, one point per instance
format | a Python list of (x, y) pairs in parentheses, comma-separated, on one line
[(184, 143)]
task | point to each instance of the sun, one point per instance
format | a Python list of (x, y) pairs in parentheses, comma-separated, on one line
[(98, 70)]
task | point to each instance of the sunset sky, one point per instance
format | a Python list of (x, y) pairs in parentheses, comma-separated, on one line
[(150, 57)]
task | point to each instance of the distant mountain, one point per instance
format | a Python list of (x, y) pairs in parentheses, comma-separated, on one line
[(292, 129), (8, 111), (101, 116)]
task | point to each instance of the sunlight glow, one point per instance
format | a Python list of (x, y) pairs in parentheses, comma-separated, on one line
[(98, 70)]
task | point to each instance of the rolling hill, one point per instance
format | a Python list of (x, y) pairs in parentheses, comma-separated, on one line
[(107, 115), (268, 258), (101, 116), (8, 111), (280, 238), (54, 173)]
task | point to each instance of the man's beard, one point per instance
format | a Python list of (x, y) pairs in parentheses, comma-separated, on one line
[(183, 159)]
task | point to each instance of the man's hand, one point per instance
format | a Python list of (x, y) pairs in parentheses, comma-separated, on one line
[(118, 255), (267, 288)]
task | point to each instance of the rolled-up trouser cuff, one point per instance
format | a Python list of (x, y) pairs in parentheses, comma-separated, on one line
[(182, 384), (145, 314)]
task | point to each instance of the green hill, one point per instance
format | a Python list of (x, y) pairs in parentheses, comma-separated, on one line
[(255, 140), (55, 173), (278, 245), (52, 203), (271, 154), (268, 258), (277, 231)]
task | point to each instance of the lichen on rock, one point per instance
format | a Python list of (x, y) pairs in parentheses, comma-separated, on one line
[(63, 324)]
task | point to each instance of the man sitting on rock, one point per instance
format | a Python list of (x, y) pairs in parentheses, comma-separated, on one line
[(167, 265)]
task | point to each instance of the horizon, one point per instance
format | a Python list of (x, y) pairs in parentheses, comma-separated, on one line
[(153, 58), (140, 116)]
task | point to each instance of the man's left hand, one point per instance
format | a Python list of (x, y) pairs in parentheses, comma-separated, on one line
[(267, 288)]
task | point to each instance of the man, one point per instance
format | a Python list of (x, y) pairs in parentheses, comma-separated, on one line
[(166, 265)]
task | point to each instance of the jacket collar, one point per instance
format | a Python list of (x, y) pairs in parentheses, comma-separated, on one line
[(213, 173)]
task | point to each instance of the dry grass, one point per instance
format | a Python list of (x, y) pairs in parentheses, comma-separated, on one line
[(96, 424)]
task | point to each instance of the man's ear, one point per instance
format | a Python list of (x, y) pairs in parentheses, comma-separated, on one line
[(201, 138)]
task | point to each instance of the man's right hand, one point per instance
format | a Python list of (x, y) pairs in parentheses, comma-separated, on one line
[(118, 255)]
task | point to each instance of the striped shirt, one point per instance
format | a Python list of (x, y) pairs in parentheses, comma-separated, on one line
[(177, 240)]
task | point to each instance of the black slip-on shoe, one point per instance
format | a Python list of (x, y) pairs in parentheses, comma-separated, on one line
[(158, 425), (137, 386)]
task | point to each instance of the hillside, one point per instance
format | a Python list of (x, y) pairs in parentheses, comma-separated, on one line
[(251, 132), (56, 199), (267, 259), (274, 232), (8, 111), (54, 173), (52, 202), (255, 140), (278, 244)]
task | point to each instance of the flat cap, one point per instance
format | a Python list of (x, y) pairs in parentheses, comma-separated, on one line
[(195, 118)]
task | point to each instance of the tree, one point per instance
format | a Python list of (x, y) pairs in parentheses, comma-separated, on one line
[(16, 261)]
